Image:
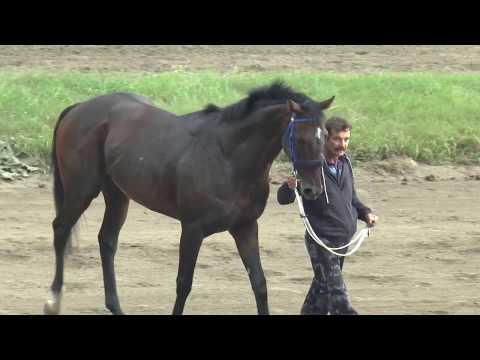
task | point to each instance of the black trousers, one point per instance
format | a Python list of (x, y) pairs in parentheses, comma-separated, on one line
[(328, 293)]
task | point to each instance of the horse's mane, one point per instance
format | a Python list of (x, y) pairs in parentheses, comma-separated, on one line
[(211, 108), (276, 93)]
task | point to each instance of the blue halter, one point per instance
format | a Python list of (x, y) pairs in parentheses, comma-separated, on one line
[(289, 138)]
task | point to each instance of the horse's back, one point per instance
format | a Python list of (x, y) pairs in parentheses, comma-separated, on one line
[(135, 97), (106, 112)]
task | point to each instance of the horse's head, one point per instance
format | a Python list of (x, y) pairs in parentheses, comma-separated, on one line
[(303, 143)]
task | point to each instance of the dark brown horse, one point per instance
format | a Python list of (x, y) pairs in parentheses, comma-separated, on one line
[(208, 169)]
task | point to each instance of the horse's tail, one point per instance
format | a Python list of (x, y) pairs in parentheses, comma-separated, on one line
[(58, 192)]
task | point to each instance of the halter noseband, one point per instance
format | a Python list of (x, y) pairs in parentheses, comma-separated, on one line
[(289, 139)]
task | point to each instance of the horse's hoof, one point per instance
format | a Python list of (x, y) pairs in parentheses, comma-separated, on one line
[(52, 306), (115, 310)]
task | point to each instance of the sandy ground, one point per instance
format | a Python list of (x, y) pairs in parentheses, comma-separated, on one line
[(422, 258)]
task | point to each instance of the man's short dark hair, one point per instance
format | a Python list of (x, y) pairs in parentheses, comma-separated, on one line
[(337, 124)]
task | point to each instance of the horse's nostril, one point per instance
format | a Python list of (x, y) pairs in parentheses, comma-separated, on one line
[(308, 192)]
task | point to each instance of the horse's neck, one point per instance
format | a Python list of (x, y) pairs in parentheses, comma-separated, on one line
[(253, 145)]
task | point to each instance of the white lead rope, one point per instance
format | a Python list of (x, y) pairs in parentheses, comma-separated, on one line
[(358, 239)]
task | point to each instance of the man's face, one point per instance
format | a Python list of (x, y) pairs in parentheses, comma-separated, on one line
[(337, 144)]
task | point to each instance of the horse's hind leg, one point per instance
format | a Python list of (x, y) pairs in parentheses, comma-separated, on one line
[(116, 209), (246, 239), (190, 243), (75, 203)]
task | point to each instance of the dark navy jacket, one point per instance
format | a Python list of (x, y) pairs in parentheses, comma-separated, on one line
[(336, 221)]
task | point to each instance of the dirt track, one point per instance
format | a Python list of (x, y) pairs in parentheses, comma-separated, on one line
[(422, 259), (251, 58)]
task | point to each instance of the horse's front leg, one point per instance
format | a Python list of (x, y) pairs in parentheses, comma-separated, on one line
[(246, 238)]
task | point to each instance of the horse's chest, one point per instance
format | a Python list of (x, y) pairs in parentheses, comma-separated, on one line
[(247, 206), (252, 200)]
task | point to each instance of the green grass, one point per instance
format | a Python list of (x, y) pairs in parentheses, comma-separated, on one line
[(430, 118)]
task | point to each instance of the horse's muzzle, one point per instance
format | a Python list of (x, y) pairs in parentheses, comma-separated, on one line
[(311, 192)]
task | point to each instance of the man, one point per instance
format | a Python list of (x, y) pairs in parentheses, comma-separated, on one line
[(333, 217)]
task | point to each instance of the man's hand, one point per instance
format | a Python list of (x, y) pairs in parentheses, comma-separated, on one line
[(372, 220), (292, 182)]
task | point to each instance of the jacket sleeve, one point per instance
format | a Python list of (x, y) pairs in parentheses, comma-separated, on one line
[(285, 195), (362, 210)]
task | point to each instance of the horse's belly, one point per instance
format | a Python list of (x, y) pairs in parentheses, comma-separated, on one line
[(149, 192)]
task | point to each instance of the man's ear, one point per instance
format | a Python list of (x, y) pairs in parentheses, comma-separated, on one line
[(327, 103)]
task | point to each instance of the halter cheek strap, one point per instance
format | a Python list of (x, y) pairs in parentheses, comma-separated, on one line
[(289, 140)]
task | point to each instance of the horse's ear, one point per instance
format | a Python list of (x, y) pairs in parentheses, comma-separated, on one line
[(327, 103), (293, 107)]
